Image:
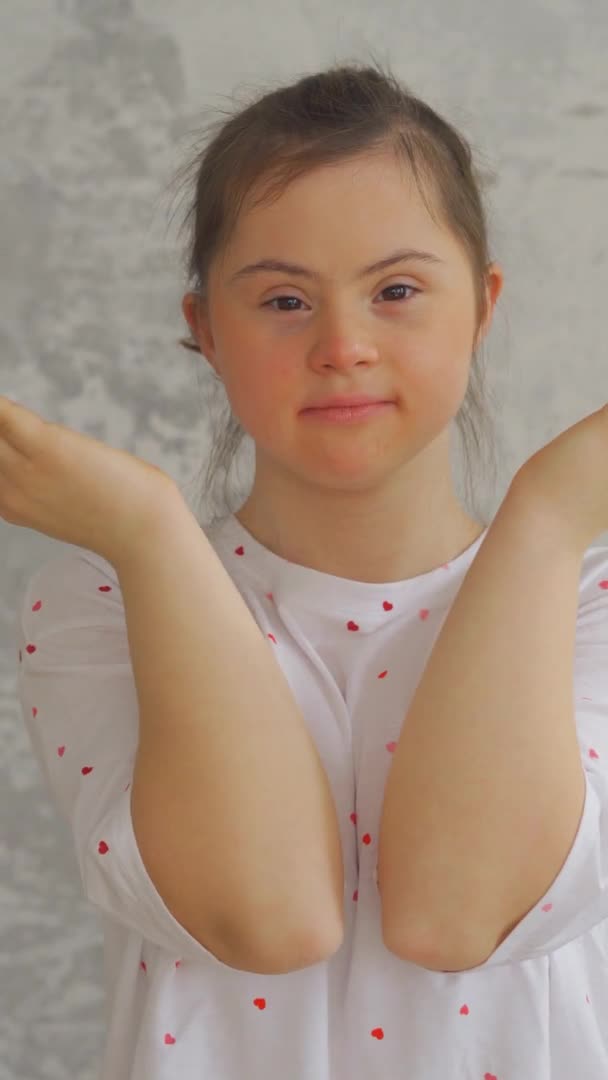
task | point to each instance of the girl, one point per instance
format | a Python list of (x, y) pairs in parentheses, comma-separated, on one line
[(336, 767)]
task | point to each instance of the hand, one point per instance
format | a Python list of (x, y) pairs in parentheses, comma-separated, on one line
[(569, 477), (73, 488)]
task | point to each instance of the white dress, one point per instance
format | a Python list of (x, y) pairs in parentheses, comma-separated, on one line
[(353, 653)]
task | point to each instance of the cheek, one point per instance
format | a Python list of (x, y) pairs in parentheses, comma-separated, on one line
[(259, 399), (245, 395), (434, 384)]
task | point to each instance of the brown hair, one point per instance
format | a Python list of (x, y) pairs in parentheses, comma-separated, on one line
[(333, 115)]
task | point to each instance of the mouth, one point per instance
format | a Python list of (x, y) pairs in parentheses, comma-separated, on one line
[(348, 414)]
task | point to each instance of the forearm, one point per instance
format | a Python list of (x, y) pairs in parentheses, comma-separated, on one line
[(486, 780), (231, 804)]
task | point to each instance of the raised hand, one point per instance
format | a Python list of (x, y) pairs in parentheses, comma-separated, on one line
[(569, 477), (74, 488)]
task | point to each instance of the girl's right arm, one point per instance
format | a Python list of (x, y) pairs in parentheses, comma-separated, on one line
[(202, 814), (231, 805)]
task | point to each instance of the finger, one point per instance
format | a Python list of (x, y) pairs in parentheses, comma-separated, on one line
[(18, 426)]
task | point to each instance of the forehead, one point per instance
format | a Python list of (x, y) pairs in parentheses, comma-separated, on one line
[(373, 186), (348, 212)]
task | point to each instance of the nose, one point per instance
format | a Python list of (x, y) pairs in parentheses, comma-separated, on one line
[(343, 352)]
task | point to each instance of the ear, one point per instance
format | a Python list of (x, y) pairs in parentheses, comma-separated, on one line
[(196, 315), (494, 284)]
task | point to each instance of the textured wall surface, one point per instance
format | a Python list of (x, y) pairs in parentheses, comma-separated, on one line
[(99, 100)]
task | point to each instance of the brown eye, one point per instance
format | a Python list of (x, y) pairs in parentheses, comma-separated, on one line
[(389, 288), (401, 285)]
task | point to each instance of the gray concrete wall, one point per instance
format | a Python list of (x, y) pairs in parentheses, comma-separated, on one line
[(98, 99)]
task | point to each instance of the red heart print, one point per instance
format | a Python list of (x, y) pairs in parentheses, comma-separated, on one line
[(383, 674), (61, 750), (34, 712), (143, 965), (356, 895), (105, 588), (592, 753), (169, 1040), (377, 1033), (424, 613), (86, 770), (391, 747), (260, 1003), (366, 839), (353, 818), (352, 625), (272, 638), (546, 907), (465, 1010), (103, 848), (604, 584), (30, 649), (37, 605), (240, 550), (387, 606), (489, 1076)]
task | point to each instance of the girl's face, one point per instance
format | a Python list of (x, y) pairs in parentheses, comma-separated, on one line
[(284, 339)]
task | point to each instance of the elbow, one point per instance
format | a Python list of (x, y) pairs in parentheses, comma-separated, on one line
[(461, 955), (292, 943), (276, 953), (314, 945), (308, 949), (419, 952), (275, 939)]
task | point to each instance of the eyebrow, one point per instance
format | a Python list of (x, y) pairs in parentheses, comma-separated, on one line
[(269, 264)]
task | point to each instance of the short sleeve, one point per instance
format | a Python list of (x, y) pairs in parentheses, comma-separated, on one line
[(79, 703)]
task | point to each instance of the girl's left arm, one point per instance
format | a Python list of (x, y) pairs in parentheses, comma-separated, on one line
[(487, 788)]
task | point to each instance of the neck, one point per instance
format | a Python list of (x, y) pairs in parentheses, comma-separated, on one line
[(372, 546)]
